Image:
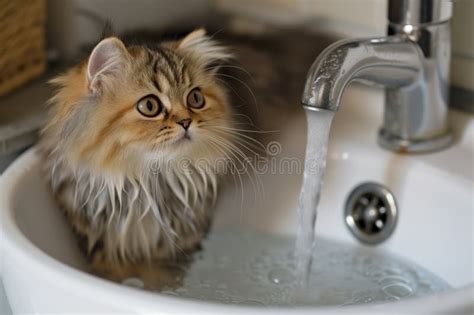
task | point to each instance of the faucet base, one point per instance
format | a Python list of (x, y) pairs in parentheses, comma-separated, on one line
[(392, 143)]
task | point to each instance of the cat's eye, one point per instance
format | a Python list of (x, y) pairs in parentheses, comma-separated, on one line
[(195, 99), (149, 106)]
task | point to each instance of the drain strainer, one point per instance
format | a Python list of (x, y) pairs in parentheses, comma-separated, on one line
[(371, 213)]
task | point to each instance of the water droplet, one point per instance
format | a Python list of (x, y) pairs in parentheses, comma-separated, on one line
[(379, 224), (280, 276), (397, 290)]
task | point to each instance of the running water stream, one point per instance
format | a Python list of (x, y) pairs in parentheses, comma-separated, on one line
[(319, 124)]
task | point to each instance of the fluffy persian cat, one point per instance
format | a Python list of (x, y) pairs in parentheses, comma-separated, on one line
[(131, 145)]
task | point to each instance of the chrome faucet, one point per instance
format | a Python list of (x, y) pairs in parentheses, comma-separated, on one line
[(412, 63)]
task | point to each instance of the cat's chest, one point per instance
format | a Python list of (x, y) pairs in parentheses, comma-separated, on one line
[(168, 198)]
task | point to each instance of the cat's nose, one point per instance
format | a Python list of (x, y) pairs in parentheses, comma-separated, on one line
[(185, 123)]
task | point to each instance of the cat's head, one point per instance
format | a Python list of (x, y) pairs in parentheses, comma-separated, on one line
[(127, 105)]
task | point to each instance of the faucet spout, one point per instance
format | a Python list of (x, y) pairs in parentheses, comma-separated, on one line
[(392, 62), (412, 63), (415, 81)]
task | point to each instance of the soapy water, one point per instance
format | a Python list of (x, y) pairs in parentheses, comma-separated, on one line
[(252, 268), (319, 125)]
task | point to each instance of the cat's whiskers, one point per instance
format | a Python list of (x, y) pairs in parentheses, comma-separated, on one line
[(240, 136), (252, 166), (247, 130), (245, 143), (231, 124), (244, 84), (221, 150), (233, 67), (220, 143), (250, 122), (230, 87), (241, 157)]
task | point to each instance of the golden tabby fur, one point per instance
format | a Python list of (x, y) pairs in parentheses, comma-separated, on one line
[(130, 147)]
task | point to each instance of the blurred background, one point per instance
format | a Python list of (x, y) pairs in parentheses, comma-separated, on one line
[(275, 40)]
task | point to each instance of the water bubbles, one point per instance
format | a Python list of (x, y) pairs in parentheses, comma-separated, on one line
[(262, 272), (222, 286), (255, 277), (280, 276), (360, 300), (392, 279), (397, 290), (205, 285)]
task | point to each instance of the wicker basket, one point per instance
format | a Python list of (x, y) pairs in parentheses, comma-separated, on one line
[(22, 42)]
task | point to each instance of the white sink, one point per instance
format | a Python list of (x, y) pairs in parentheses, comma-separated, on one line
[(42, 270)]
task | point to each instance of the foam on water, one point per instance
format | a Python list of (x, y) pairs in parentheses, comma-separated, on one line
[(319, 124), (246, 267)]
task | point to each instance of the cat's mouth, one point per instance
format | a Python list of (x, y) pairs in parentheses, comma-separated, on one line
[(183, 138)]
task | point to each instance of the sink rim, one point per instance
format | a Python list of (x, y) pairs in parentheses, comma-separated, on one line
[(16, 246)]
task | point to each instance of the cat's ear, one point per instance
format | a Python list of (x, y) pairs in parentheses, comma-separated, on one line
[(203, 48), (106, 60)]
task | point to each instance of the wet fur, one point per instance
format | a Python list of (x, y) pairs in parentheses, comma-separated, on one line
[(116, 174)]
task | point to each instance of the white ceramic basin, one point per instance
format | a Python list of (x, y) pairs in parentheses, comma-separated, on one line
[(41, 268)]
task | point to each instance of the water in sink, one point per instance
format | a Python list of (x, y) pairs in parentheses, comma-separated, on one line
[(246, 267)]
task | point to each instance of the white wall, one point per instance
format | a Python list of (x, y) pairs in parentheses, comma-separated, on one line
[(352, 18), (344, 17), (71, 23)]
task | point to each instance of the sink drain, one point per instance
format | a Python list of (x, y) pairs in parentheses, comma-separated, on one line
[(371, 213)]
